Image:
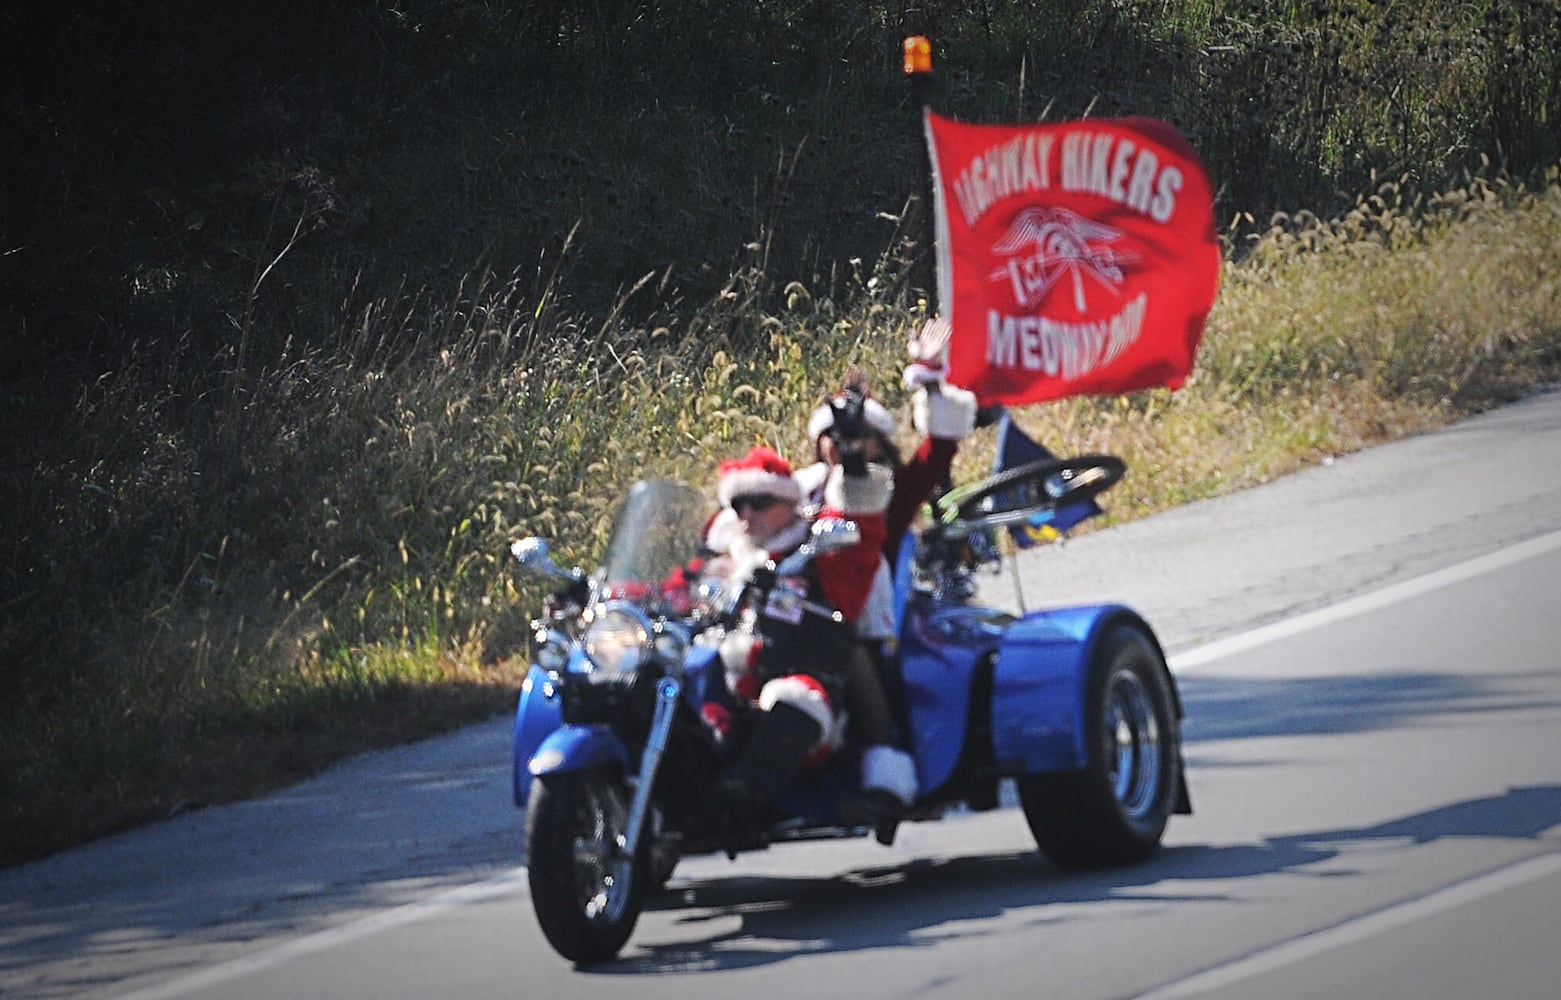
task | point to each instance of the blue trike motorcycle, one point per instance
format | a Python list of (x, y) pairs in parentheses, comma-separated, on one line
[(614, 760)]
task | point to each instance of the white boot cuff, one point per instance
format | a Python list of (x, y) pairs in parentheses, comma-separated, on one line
[(888, 769)]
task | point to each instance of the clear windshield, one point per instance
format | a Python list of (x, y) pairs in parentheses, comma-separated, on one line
[(657, 529)]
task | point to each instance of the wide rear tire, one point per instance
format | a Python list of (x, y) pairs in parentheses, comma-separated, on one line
[(573, 825), (1115, 810)]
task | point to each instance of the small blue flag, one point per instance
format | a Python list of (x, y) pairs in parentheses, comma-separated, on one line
[(1015, 448)]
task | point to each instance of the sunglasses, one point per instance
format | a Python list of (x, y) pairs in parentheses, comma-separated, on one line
[(757, 503)]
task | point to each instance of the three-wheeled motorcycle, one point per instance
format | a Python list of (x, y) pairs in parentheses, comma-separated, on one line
[(615, 761)]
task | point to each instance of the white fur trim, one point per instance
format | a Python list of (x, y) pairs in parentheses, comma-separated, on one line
[(748, 482), (736, 651), (724, 527), (745, 554), (819, 421), (877, 618), (811, 479), (919, 374), (877, 415), (803, 693), (948, 413), (889, 769), (867, 494)]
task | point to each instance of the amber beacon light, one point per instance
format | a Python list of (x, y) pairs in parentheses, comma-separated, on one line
[(918, 55)]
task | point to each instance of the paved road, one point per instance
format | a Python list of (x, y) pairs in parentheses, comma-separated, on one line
[(1357, 523), (1338, 771)]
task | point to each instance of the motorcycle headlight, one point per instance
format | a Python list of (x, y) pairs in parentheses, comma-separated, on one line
[(618, 639)]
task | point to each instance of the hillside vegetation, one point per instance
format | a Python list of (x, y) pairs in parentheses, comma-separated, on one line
[(308, 313)]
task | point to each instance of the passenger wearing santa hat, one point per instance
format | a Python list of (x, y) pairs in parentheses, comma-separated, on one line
[(944, 415)]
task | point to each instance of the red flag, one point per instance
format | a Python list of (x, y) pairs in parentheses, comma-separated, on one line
[(1075, 258)]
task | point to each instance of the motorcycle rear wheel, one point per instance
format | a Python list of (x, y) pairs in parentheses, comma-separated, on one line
[(573, 825), (1114, 811)]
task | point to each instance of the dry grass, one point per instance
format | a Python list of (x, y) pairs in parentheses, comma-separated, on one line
[(253, 575), (1332, 335)]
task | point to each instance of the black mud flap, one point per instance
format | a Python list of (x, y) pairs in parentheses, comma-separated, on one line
[(1183, 800)]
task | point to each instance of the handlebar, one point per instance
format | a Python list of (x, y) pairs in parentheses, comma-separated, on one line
[(1018, 494)]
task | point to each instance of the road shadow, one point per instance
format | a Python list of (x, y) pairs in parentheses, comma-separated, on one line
[(922, 902), (1221, 708)]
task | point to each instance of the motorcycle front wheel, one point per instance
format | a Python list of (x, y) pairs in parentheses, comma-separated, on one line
[(1115, 810), (587, 896)]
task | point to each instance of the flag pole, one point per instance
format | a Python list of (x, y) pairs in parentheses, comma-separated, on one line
[(1013, 563)]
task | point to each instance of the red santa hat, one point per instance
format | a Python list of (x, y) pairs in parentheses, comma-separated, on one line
[(761, 472), (876, 414)]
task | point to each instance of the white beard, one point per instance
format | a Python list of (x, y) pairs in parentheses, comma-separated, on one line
[(748, 555)]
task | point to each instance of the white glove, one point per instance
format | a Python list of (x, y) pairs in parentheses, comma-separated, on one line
[(928, 351), (919, 373)]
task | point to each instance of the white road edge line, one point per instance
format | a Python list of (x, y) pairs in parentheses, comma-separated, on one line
[(1359, 929), (374, 923), (500, 884), (1393, 594)]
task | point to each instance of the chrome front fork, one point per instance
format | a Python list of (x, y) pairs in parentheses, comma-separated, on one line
[(668, 689)]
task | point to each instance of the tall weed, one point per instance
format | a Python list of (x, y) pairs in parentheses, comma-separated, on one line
[(234, 577)]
